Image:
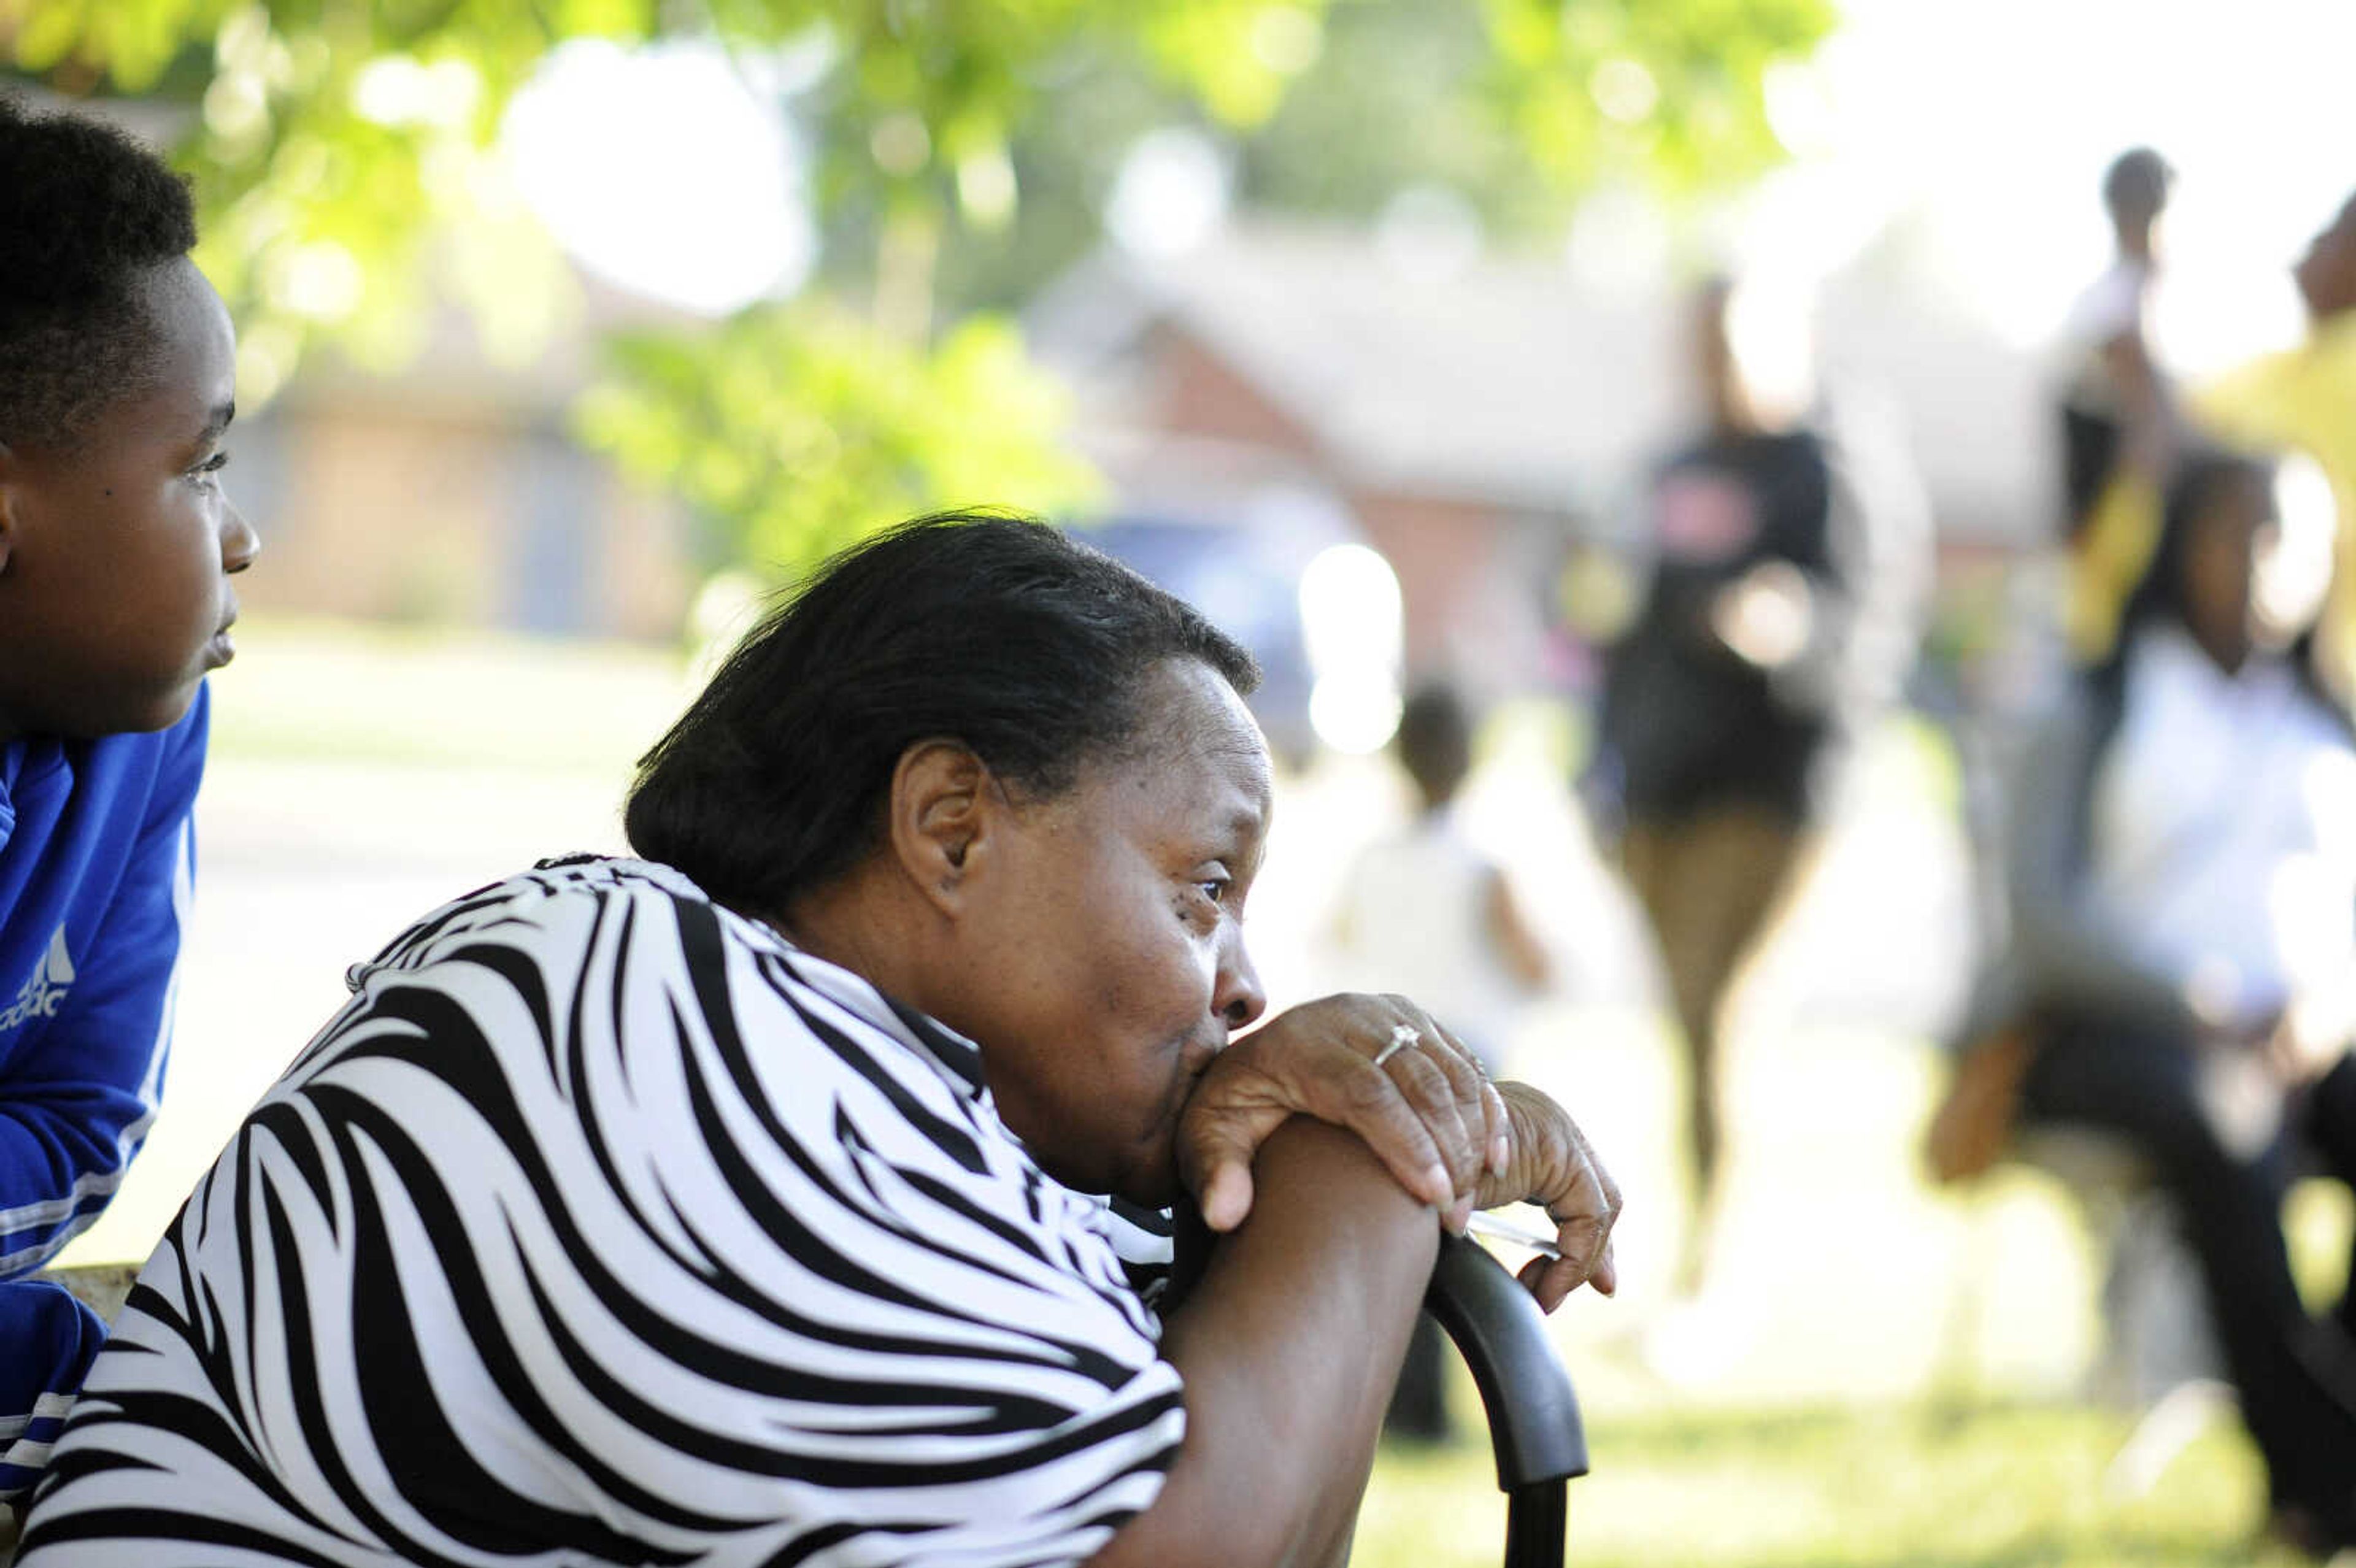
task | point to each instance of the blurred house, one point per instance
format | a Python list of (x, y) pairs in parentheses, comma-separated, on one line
[(1469, 416), (1453, 415), (450, 492), (1472, 416)]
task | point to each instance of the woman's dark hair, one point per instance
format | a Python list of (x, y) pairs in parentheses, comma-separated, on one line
[(2199, 479), (995, 630), (84, 212)]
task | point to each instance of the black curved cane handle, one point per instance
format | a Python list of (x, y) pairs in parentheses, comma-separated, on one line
[(1534, 1422)]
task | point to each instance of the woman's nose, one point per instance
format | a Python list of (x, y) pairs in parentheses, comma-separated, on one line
[(1238, 997)]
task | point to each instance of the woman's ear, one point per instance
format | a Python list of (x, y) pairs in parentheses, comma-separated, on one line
[(939, 816)]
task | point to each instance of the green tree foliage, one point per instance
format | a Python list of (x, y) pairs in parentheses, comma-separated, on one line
[(963, 152), (807, 429), (1682, 84)]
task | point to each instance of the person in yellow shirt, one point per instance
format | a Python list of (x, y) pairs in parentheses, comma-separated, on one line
[(2300, 399), (2304, 399)]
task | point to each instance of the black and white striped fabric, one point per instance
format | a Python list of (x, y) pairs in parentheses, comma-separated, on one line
[(601, 1225)]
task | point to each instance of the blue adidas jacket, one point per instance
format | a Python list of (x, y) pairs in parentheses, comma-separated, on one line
[(97, 859)]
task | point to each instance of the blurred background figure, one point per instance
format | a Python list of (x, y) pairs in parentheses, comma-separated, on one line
[(1726, 702), (2183, 886), (2300, 399), (2303, 398), (1430, 910), (2110, 391), (2110, 378), (1426, 912)]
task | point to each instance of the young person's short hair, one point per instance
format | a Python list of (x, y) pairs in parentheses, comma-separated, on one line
[(994, 630), (1435, 739), (84, 212), (2135, 185)]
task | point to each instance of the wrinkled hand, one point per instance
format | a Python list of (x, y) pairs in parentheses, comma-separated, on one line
[(1552, 1165), (1426, 1111)]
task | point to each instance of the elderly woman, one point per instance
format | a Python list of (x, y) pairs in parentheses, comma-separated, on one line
[(727, 1205)]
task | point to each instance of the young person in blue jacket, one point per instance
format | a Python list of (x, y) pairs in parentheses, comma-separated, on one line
[(116, 546)]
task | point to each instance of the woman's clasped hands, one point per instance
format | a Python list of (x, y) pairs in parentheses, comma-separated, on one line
[(1383, 1068)]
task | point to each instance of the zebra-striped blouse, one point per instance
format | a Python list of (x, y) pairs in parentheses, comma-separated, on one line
[(601, 1225)]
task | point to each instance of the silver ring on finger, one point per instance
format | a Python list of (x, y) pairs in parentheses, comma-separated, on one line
[(1402, 1037)]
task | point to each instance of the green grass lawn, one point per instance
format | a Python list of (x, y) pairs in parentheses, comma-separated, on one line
[(2002, 1486)]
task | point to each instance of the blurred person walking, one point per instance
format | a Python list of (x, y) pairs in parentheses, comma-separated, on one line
[(1426, 911), (1776, 620)]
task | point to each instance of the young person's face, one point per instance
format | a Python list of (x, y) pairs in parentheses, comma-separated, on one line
[(115, 555), (1110, 959)]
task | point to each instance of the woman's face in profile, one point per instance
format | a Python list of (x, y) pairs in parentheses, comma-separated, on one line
[(1106, 963)]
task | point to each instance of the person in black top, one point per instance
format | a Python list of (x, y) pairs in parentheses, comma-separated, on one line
[(1723, 699)]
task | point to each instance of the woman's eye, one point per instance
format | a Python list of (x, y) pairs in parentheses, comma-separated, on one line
[(211, 465)]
